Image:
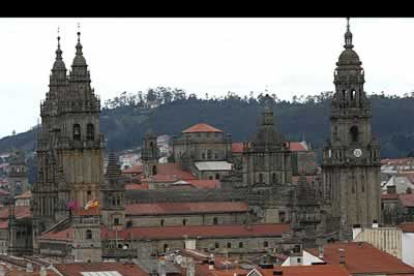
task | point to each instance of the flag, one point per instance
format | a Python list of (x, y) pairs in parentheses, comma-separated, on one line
[(91, 204), (72, 205)]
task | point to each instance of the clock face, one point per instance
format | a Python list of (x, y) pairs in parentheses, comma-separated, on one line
[(357, 152)]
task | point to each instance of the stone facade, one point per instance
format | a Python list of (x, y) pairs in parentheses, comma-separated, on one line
[(351, 160)]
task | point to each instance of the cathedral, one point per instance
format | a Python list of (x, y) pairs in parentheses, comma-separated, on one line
[(266, 201)]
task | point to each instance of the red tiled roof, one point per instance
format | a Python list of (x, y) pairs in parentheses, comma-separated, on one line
[(309, 178), (397, 161), (201, 128), (94, 211), (218, 231), (407, 227), (170, 172), (237, 147), (389, 196), (75, 269), (4, 192), (205, 184), (19, 211), (407, 200), (63, 235), (308, 270), (185, 208), (297, 146), (134, 186), (137, 169), (361, 257), (4, 224)]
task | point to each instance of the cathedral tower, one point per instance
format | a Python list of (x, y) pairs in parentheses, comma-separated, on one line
[(267, 159), (150, 154), (351, 160), (70, 145)]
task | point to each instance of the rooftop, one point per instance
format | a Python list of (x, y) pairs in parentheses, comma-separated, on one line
[(407, 227), (309, 270), (213, 166), (185, 208), (201, 127), (87, 269), (361, 257)]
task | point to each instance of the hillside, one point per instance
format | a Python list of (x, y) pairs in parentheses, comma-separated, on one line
[(125, 119)]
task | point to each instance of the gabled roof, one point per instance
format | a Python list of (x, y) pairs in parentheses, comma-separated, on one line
[(201, 127), (361, 257), (19, 211), (170, 172), (297, 146), (185, 208), (237, 147), (205, 183)]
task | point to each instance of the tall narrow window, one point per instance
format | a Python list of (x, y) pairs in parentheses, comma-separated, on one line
[(76, 132), (162, 222), (209, 154), (240, 245), (88, 234), (154, 170), (215, 221), (260, 178), (274, 178), (354, 133), (90, 132), (184, 222)]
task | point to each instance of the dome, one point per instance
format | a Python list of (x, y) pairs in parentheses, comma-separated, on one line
[(79, 60), (348, 57), (267, 137), (59, 65)]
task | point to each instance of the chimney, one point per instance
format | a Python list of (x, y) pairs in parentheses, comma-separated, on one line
[(374, 223), (356, 229), (391, 189), (211, 262), (320, 251), (43, 271), (29, 268), (341, 256)]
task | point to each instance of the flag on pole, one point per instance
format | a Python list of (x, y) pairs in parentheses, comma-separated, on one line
[(91, 204)]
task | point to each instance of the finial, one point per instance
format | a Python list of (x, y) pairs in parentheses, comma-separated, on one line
[(348, 36), (58, 51), (78, 31)]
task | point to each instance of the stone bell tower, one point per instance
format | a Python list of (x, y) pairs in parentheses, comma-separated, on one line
[(150, 154), (351, 159)]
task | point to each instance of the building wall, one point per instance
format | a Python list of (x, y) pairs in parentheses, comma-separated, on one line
[(408, 248)]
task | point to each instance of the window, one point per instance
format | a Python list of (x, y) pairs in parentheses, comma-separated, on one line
[(354, 133), (265, 244), (229, 245), (88, 234), (209, 154), (162, 222), (118, 201), (274, 178), (184, 222), (216, 245), (210, 177), (217, 176), (165, 247), (76, 132), (260, 178), (89, 194), (215, 156), (203, 155), (215, 221), (282, 216), (154, 170), (116, 221), (299, 260), (90, 132), (129, 224), (240, 245)]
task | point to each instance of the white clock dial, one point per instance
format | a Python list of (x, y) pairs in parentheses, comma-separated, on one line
[(357, 152)]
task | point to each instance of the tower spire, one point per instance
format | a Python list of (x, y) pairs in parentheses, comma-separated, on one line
[(58, 51), (348, 36), (79, 45)]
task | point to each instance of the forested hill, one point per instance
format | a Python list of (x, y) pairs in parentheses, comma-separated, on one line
[(125, 119)]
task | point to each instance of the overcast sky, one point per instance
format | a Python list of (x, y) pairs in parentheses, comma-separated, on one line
[(200, 55)]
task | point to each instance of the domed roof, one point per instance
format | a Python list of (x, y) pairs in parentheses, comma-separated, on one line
[(349, 57), (267, 137), (79, 59)]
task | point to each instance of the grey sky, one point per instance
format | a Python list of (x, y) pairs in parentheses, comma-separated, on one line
[(201, 55)]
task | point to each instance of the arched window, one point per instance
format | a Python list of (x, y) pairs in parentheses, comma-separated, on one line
[(90, 132), (154, 170), (215, 221), (89, 234), (76, 132), (354, 133), (353, 95)]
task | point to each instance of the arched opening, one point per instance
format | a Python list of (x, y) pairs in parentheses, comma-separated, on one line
[(353, 95), (90, 132), (76, 132), (89, 234), (151, 146), (354, 133), (154, 170)]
